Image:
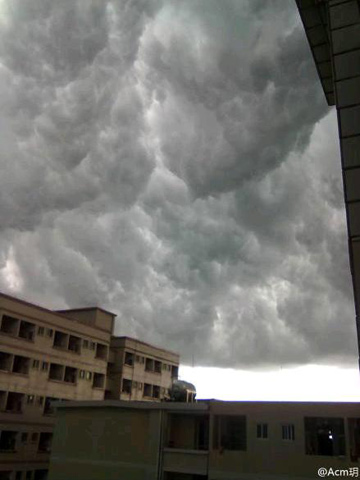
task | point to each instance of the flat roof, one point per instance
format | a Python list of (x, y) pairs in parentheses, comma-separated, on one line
[(176, 406), (144, 343), (85, 309)]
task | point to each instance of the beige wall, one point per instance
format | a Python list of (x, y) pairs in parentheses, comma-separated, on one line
[(108, 443)]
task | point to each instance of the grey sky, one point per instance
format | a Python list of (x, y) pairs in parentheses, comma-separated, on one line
[(176, 163)]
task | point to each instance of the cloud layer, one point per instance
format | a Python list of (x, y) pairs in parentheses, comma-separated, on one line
[(176, 163)]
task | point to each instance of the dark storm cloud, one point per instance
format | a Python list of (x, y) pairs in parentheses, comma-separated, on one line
[(165, 160)]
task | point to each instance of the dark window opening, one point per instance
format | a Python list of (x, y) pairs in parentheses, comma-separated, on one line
[(45, 442), (147, 390), (5, 361), (288, 432), (41, 331), (40, 474), (14, 402), (324, 436), (157, 366), (8, 441), (101, 351), (74, 344), (6, 475), (9, 325), (174, 371), (156, 391), (49, 408), (149, 365), (28, 475), (126, 386), (129, 359), (229, 432), (24, 437), (21, 364), (61, 340), (18, 475), (98, 381), (27, 330), (56, 372), (70, 375), (261, 430)]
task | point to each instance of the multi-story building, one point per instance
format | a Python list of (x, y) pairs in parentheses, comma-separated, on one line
[(332, 28), (208, 440), (45, 356), (139, 371)]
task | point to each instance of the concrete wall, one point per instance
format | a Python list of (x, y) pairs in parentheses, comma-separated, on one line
[(108, 443)]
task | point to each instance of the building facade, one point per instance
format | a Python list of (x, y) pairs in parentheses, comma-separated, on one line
[(47, 356), (139, 371), (208, 440), (332, 28)]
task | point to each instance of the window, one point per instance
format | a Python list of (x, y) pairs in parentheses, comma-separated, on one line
[(44, 366), (325, 436), (56, 372), (27, 330), (8, 440), (18, 475), (156, 391), (157, 366), (129, 359), (126, 386), (36, 364), (30, 399), (40, 400), (28, 475), (164, 366), (88, 376), (86, 343), (229, 432), (14, 402), (34, 437), (134, 385), (49, 332), (101, 351), (288, 432), (147, 390), (137, 358), (5, 361), (140, 386), (82, 374), (99, 380), (9, 325), (149, 365), (74, 344), (92, 345), (45, 442), (70, 375), (24, 437), (261, 430), (21, 365), (41, 331), (61, 340)]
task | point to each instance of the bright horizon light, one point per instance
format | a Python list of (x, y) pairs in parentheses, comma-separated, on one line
[(304, 383)]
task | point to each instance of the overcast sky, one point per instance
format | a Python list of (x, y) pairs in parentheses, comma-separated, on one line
[(176, 163)]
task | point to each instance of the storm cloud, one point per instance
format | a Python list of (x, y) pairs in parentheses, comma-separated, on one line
[(177, 164)]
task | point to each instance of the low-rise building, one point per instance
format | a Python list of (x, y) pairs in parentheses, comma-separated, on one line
[(208, 440), (139, 371)]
